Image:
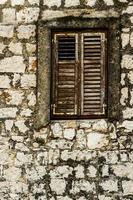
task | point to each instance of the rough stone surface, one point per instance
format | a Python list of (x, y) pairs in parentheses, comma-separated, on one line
[(12, 64), (64, 159)]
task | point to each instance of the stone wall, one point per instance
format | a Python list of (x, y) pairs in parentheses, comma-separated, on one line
[(67, 160)]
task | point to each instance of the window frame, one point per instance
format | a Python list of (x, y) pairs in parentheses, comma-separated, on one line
[(42, 113), (79, 33)]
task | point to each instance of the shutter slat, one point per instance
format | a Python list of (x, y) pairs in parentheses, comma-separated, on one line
[(92, 67)]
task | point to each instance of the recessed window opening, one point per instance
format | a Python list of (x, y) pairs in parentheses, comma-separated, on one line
[(79, 65)]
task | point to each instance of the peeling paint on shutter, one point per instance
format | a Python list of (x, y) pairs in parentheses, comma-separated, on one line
[(93, 74), (65, 74)]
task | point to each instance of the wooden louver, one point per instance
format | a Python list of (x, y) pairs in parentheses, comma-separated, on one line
[(78, 81)]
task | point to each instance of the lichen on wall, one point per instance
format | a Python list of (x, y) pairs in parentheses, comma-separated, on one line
[(67, 159)]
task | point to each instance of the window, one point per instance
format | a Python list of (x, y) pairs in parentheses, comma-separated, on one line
[(109, 93), (79, 74)]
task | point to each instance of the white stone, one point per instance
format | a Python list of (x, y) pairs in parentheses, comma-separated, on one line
[(129, 10), (82, 185), (103, 197), (31, 99), (57, 130), (127, 187), (125, 30), (50, 14), (8, 112), (127, 62), (128, 125), (8, 125), (124, 96), (123, 75), (52, 3), (17, 138), (131, 18), (21, 147), (18, 187), (96, 140), (53, 156), (92, 171), (131, 39), (9, 15), (4, 156), (90, 3), (25, 32), (61, 172), (85, 124), (80, 139), (101, 126), (128, 113), (16, 79), (63, 198), (31, 48), (32, 2), (22, 158), (125, 39), (26, 112), (21, 126), (58, 186), (130, 76), (70, 3), (3, 1), (105, 170), (28, 80), (69, 133), (36, 173), (14, 97), (79, 171), (17, 2), (110, 156), (110, 186), (28, 15), (109, 2), (131, 100), (16, 48), (2, 47), (6, 31), (123, 170), (12, 174), (4, 81), (42, 134), (12, 64)]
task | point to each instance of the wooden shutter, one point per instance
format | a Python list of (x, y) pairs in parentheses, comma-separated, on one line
[(93, 74), (65, 53)]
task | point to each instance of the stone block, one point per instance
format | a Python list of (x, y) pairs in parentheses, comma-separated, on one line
[(70, 3), (69, 133), (28, 15), (6, 31), (96, 140), (17, 2), (128, 113), (4, 81), (52, 3), (28, 80), (25, 32), (109, 185), (9, 15), (127, 62), (8, 113), (12, 64), (127, 187)]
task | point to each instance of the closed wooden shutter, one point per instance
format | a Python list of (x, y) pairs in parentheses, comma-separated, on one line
[(93, 74), (79, 75), (65, 74)]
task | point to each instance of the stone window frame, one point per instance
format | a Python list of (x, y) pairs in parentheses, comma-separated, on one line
[(44, 28)]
